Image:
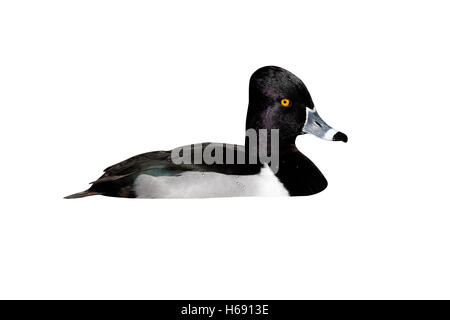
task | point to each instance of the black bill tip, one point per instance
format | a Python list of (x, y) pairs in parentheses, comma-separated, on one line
[(340, 137)]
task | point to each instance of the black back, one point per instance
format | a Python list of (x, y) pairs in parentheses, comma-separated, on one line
[(117, 180)]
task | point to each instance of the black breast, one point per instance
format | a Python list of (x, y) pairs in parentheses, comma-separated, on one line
[(299, 175)]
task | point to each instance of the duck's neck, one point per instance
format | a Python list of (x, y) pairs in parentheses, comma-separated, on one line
[(260, 143), (295, 171)]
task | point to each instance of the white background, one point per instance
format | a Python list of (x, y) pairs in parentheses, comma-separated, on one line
[(86, 84)]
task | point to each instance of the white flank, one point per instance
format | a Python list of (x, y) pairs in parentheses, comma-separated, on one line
[(209, 185)]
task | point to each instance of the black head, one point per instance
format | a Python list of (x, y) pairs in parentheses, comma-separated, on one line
[(279, 100)]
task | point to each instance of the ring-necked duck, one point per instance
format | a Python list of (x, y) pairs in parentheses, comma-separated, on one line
[(279, 105)]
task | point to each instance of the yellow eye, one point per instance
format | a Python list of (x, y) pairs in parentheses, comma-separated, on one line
[(285, 102)]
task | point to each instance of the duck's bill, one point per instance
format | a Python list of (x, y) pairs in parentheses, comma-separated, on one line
[(316, 126)]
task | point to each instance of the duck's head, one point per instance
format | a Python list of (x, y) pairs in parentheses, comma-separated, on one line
[(280, 100)]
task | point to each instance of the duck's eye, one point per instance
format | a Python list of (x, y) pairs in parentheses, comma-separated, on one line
[(285, 102)]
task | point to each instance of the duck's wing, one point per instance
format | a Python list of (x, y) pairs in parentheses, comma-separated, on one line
[(118, 179)]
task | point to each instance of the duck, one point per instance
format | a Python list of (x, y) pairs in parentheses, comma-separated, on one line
[(280, 109)]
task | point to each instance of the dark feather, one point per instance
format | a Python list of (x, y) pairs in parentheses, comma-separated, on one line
[(118, 179)]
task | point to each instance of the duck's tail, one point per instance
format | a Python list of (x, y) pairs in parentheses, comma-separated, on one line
[(82, 194)]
